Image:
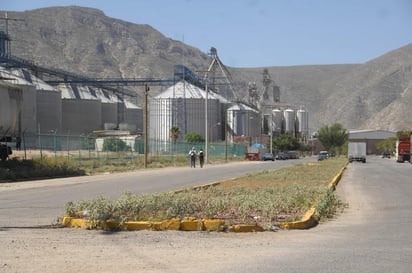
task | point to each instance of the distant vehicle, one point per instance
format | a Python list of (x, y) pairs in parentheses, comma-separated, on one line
[(386, 154), (268, 156), (323, 155), (403, 148), (292, 155), (357, 151), (281, 156), (255, 152)]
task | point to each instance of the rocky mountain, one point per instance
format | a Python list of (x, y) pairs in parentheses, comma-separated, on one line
[(373, 95)]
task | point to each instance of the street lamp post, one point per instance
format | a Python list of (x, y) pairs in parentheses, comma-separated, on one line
[(145, 125)]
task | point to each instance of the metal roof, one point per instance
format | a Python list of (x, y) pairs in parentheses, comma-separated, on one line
[(183, 89), (371, 134)]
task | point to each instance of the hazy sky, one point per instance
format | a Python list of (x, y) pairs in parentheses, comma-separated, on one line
[(256, 33)]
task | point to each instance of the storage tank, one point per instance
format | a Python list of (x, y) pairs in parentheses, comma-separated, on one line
[(277, 118), (10, 108), (302, 120), (243, 120), (81, 116), (289, 120), (182, 105)]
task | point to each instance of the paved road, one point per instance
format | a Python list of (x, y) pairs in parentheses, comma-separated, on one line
[(41, 202), (372, 235)]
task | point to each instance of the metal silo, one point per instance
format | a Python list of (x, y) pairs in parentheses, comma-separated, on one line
[(302, 120), (277, 118), (183, 106), (289, 120), (243, 120), (81, 116)]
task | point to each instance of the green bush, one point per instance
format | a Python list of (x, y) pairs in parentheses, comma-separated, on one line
[(115, 145)]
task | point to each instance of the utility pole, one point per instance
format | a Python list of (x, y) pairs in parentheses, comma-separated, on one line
[(145, 125)]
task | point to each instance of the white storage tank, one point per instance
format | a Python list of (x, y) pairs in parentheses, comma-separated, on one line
[(183, 105), (243, 120), (302, 120), (289, 120), (277, 118)]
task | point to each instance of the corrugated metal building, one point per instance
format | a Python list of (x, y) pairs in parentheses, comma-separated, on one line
[(371, 137)]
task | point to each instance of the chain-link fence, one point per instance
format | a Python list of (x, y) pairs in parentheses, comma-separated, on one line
[(119, 147)]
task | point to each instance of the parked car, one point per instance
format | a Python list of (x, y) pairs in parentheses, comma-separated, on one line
[(268, 156), (323, 155), (293, 155), (386, 154), (281, 156)]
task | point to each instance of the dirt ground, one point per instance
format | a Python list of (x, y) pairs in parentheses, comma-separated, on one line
[(62, 250)]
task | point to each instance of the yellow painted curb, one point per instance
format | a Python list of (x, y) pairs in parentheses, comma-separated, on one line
[(245, 228), (191, 224), (335, 180), (214, 224), (308, 221)]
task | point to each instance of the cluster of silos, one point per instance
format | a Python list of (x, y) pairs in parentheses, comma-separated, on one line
[(183, 106), (63, 109), (290, 121)]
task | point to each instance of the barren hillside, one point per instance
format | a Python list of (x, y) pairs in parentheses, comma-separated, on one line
[(375, 95)]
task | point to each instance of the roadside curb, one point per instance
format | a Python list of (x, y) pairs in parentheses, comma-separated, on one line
[(193, 224), (189, 224), (309, 220)]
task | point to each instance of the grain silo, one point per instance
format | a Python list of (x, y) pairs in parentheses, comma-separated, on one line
[(277, 120), (243, 120), (289, 120), (302, 119), (27, 118), (110, 107), (10, 108), (183, 106), (48, 103), (81, 111), (132, 118)]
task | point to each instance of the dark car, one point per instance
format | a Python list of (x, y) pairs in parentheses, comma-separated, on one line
[(292, 155), (386, 154), (323, 155), (281, 156), (268, 156)]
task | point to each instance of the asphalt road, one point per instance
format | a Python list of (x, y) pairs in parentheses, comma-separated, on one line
[(37, 203), (372, 235)]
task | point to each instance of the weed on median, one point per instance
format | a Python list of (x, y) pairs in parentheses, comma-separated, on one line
[(264, 198)]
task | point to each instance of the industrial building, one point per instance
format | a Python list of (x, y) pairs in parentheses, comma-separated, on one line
[(65, 103), (371, 138), (31, 106)]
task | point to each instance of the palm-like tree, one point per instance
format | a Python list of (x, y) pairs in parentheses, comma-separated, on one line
[(174, 133)]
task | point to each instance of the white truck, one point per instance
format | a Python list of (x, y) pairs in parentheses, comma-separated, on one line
[(357, 151)]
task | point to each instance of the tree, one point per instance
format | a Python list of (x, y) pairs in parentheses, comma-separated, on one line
[(285, 142), (113, 144), (387, 144), (333, 138), (194, 137), (174, 133)]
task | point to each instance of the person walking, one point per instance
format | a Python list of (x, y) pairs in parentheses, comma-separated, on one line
[(201, 158), (192, 155)]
